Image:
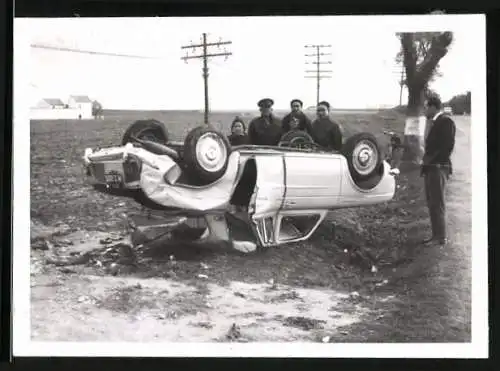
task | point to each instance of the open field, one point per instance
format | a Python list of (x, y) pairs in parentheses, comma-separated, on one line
[(324, 289)]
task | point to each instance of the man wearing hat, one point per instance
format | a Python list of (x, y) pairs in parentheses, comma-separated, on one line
[(304, 123), (265, 129)]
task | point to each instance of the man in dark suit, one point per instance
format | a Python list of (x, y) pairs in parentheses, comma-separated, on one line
[(265, 129), (326, 132), (304, 123), (437, 168)]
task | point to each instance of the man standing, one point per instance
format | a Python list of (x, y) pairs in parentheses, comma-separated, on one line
[(436, 167), (326, 132), (265, 129), (304, 123)]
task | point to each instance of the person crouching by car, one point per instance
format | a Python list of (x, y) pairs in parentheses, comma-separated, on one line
[(238, 134), (397, 149), (326, 132), (265, 129), (304, 123)]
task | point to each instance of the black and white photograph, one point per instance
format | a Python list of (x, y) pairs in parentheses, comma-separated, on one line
[(271, 186)]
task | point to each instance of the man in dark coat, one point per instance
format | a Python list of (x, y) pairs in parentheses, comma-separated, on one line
[(265, 129), (304, 123), (436, 167), (326, 132)]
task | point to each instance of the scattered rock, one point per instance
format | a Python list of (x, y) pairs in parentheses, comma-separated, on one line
[(234, 332), (203, 324), (354, 295), (170, 274), (239, 294), (106, 241), (304, 323), (291, 295), (66, 270), (273, 283), (40, 244), (204, 266), (326, 339), (70, 260), (202, 276), (384, 282), (114, 269)]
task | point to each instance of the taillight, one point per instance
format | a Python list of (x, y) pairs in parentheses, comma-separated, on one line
[(131, 169)]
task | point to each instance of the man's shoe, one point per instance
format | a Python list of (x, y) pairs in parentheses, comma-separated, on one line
[(429, 240), (442, 241)]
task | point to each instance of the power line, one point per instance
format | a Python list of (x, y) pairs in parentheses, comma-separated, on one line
[(205, 55), (81, 51), (319, 74)]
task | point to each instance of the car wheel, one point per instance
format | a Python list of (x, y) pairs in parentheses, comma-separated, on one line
[(296, 138), (150, 129), (364, 159), (206, 154)]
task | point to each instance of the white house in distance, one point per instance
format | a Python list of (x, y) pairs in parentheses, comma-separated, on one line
[(78, 107), (50, 103), (83, 104)]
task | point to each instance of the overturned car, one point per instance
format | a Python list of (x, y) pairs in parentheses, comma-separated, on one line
[(248, 196)]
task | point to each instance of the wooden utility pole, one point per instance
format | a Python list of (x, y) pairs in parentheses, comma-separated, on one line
[(205, 55), (318, 73)]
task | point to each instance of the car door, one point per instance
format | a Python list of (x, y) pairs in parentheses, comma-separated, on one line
[(313, 181), (267, 198)]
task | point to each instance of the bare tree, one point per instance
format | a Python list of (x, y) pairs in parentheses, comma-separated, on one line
[(420, 54)]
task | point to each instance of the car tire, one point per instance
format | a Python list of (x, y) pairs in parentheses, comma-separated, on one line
[(149, 129), (296, 138), (364, 158), (206, 154)]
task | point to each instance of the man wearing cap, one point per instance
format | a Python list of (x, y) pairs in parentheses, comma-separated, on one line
[(265, 129), (326, 132), (304, 123)]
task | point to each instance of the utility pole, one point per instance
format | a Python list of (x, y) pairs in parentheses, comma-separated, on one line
[(318, 73), (205, 55)]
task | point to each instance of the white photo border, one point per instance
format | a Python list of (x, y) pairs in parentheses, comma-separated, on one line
[(477, 348)]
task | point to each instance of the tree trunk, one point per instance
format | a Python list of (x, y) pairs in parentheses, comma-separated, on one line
[(415, 125)]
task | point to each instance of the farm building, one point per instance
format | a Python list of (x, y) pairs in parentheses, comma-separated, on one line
[(78, 107), (83, 104), (50, 103)]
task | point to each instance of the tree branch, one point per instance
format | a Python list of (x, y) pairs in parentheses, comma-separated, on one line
[(409, 55), (438, 49)]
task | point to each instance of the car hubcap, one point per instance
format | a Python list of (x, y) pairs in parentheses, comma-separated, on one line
[(211, 152), (365, 157)]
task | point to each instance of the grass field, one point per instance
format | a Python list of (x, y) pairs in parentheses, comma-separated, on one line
[(406, 299)]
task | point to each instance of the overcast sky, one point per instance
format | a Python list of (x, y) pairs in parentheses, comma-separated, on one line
[(268, 60)]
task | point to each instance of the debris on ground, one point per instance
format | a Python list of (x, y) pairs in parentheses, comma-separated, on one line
[(69, 260), (41, 244), (234, 333), (202, 324), (291, 295), (304, 323)]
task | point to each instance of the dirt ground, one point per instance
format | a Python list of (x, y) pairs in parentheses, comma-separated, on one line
[(362, 277)]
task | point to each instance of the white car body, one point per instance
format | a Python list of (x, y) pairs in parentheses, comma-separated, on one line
[(290, 185)]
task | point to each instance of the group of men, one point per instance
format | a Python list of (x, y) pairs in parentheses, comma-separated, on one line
[(267, 129)]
